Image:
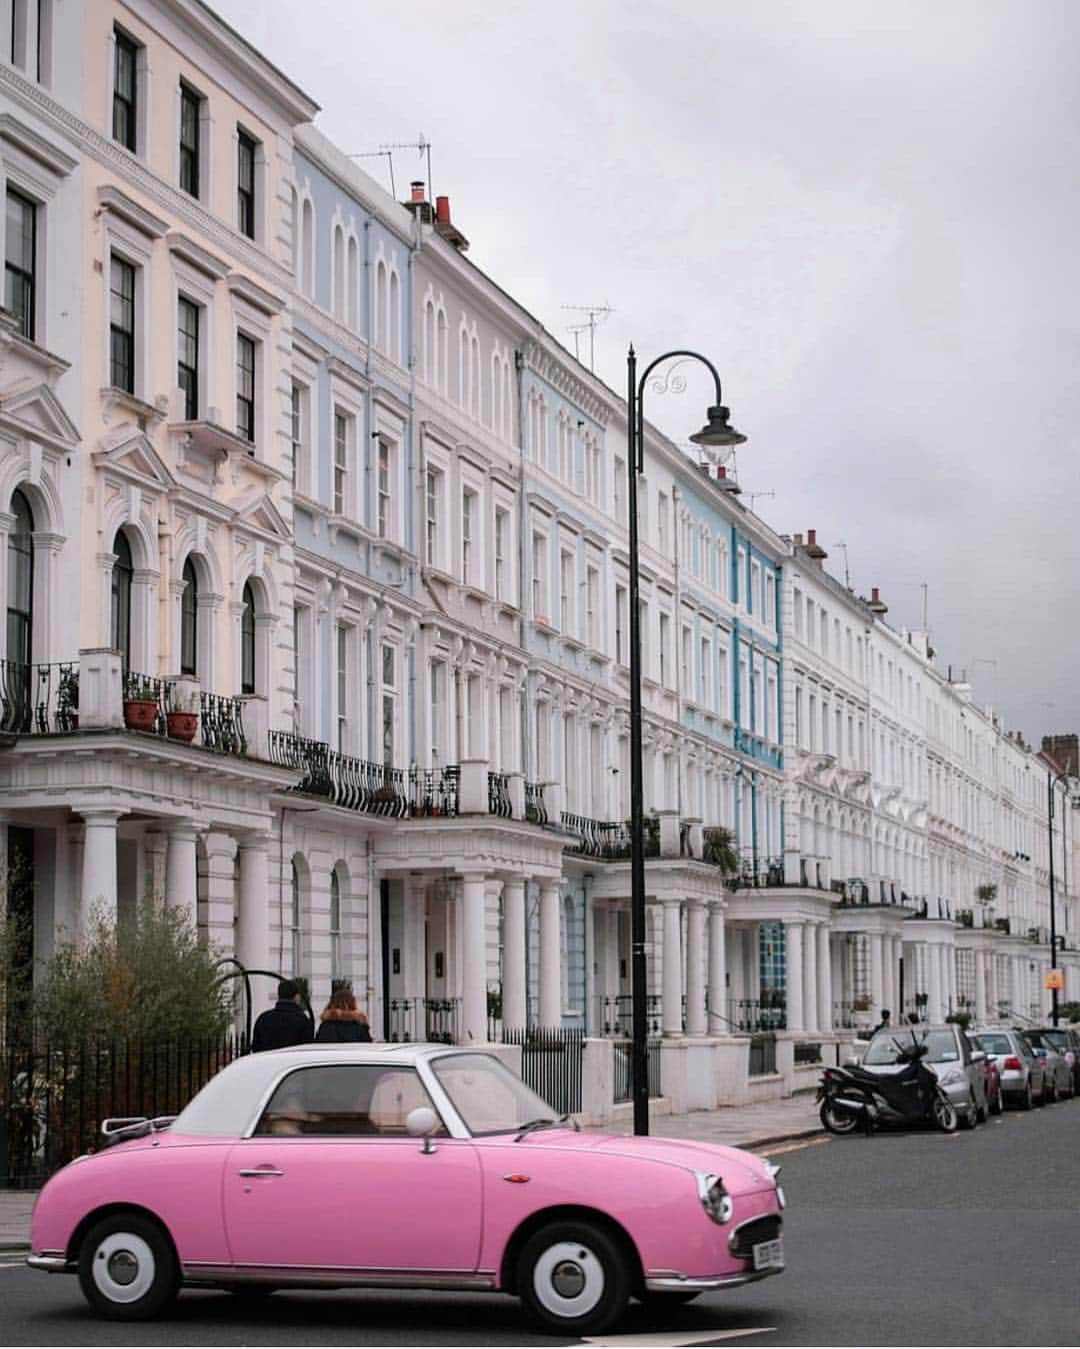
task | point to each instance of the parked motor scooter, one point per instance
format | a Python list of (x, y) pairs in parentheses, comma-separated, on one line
[(852, 1096)]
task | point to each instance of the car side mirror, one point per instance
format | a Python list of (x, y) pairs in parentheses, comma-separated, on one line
[(978, 1056), (852, 1062), (422, 1123)]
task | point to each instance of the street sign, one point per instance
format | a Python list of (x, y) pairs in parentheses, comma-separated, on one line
[(1054, 979)]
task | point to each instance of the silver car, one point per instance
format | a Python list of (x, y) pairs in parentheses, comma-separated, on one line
[(1059, 1078), (1021, 1071), (956, 1062)]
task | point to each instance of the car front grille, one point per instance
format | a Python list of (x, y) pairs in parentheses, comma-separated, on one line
[(746, 1236)]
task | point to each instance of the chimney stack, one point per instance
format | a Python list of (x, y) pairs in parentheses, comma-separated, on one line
[(417, 186), (877, 604), (446, 227), (418, 203), (798, 541), (813, 548)]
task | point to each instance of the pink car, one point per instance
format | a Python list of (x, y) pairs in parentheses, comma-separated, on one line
[(405, 1166)]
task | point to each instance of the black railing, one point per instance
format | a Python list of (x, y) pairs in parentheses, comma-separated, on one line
[(39, 699), (141, 691), (762, 1055), (608, 840), (499, 796), (616, 1015), (758, 1014), (434, 791), (760, 873), (434, 1020), (53, 1097), (805, 1054), (843, 1015), (222, 722), (535, 809), (624, 1086), (551, 1058)]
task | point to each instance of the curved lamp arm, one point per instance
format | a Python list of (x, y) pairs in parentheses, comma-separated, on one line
[(639, 418)]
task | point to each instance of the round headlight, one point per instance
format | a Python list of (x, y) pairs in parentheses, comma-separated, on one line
[(715, 1200)]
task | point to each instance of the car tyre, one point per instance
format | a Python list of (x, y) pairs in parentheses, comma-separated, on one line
[(128, 1269), (970, 1116), (573, 1278), (946, 1116), (998, 1106), (838, 1120), (1028, 1099)]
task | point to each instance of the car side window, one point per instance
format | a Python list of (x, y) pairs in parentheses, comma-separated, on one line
[(344, 1101)]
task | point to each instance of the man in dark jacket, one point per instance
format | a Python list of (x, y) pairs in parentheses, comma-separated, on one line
[(285, 1023)]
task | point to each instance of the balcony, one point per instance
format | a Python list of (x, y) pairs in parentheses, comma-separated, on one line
[(39, 699), (358, 784)]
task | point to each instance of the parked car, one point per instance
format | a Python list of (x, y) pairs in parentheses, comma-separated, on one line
[(1066, 1040), (404, 1166), (1022, 1072), (1059, 1078), (995, 1097), (948, 1052)]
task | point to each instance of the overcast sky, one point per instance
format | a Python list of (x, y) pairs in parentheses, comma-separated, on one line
[(866, 213)]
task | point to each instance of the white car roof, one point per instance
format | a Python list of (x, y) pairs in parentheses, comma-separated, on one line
[(224, 1108)]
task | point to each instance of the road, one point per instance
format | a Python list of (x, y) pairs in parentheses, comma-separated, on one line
[(898, 1239)]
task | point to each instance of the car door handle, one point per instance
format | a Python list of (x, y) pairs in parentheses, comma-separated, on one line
[(258, 1171)]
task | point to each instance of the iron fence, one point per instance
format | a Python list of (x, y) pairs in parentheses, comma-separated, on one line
[(54, 1096), (359, 784), (807, 1053), (616, 1015), (762, 1055), (551, 1058), (624, 1070), (499, 796), (535, 809), (221, 720), (39, 699), (753, 1014), (431, 1020)]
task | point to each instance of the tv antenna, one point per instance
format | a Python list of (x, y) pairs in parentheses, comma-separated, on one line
[(753, 496), (421, 144), (597, 313), (847, 573)]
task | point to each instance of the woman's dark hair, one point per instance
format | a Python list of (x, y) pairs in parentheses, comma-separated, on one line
[(342, 1000)]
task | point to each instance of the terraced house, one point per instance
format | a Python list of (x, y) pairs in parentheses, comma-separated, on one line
[(317, 572)]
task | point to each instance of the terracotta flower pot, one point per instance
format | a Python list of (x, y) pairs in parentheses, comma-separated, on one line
[(140, 714), (182, 725)]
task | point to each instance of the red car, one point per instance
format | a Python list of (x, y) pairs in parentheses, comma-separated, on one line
[(995, 1100)]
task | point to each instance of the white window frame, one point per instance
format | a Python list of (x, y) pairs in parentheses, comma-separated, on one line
[(540, 544), (143, 92)]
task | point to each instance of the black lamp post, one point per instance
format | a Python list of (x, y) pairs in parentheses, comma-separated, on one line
[(716, 431), (1051, 782)]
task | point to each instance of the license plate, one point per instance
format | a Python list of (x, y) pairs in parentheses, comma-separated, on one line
[(769, 1254)]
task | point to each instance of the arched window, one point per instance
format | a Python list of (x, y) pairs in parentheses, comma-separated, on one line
[(442, 347), (20, 614), (394, 329), (351, 283), (380, 306), (335, 926), (189, 617), (431, 356), (247, 642), (338, 301), (306, 269), (120, 627), (295, 948)]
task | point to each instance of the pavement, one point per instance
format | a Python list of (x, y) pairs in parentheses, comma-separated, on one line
[(744, 1126)]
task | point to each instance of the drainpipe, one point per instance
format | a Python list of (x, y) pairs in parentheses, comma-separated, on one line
[(367, 295), (523, 513), (676, 498)]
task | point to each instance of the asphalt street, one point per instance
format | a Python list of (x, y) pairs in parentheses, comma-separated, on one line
[(897, 1239)]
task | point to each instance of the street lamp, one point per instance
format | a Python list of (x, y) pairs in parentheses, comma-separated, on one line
[(1051, 782), (716, 431)]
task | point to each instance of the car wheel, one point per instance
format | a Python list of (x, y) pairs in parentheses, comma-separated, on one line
[(983, 1111), (838, 1120), (1027, 1100), (127, 1268), (573, 1278), (1049, 1095), (998, 1107), (945, 1115), (970, 1117)]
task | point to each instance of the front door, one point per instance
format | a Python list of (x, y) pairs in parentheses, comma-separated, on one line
[(331, 1181)]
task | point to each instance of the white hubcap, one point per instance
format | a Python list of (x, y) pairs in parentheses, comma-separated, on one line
[(568, 1279), (123, 1267)]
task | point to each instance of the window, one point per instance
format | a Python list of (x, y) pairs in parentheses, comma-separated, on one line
[(335, 926), (566, 591), (382, 522), (187, 356), (502, 536), (662, 522), (20, 260), (342, 688), (298, 432), (247, 641), (189, 616), (20, 612), (620, 489), (686, 653), (245, 184), (120, 618), (341, 460), (741, 595), (665, 642), (433, 495), (245, 387), (706, 672), (345, 1101), (592, 607), (438, 698), (722, 681), (300, 688), (190, 110), (468, 517), (125, 89), (539, 578), (122, 325), (389, 704), (770, 600), (294, 922), (620, 625)]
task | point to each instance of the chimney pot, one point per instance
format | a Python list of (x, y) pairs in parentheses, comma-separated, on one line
[(798, 540), (442, 209), (417, 186), (721, 472), (811, 537), (875, 595)]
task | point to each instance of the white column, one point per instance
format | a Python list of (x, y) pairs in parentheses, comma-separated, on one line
[(794, 933), (980, 984), (717, 1022), (810, 979), (888, 977), (253, 905), (181, 877), (221, 900), (98, 867), (513, 991), (877, 990), (550, 955), (695, 968), (934, 1004), (671, 1005), (945, 955), (473, 959), (824, 973)]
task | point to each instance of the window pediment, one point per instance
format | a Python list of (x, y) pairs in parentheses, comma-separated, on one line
[(131, 213), (35, 146), (135, 458), (33, 410), (263, 517)]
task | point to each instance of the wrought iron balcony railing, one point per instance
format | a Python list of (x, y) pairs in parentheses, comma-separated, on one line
[(39, 699)]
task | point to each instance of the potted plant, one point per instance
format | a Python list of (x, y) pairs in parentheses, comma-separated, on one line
[(182, 718), (140, 705), (986, 893), (863, 1002)]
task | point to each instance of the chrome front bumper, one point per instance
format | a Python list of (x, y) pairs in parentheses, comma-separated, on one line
[(677, 1283), (52, 1262)]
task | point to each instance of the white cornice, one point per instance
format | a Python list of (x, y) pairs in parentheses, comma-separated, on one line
[(118, 203), (31, 143), (195, 255)]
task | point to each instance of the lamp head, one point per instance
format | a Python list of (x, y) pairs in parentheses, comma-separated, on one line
[(716, 430)]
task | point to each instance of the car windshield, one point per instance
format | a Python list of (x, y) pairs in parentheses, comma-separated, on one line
[(994, 1044), (886, 1046), (488, 1096), (1057, 1038), (1038, 1039)]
